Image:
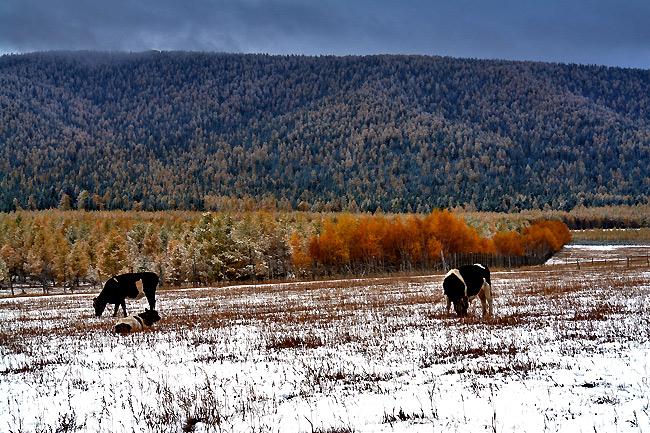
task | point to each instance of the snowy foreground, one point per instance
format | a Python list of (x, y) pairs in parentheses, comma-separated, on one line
[(568, 350)]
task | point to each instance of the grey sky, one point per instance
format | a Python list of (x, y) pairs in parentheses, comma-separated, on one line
[(614, 33)]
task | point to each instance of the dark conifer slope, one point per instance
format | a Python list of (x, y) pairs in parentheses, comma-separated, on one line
[(185, 130)]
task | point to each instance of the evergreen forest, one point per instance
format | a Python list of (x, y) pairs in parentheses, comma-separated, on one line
[(185, 131)]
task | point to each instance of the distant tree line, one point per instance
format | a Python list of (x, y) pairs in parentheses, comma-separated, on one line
[(203, 131), (68, 248), (578, 218)]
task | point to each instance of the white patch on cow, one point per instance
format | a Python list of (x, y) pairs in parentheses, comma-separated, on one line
[(479, 265), (140, 287), (457, 273), (460, 277)]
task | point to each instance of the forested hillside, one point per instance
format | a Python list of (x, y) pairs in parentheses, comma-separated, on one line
[(179, 130)]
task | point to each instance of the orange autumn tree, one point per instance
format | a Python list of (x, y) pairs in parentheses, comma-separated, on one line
[(366, 241), (400, 243), (412, 245), (329, 248), (541, 238), (508, 244), (454, 235), (299, 252), (545, 237), (393, 244)]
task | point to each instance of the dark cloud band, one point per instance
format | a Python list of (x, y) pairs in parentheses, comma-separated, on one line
[(588, 31)]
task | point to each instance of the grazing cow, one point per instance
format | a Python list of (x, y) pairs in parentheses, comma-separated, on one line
[(462, 285), (120, 287), (137, 322)]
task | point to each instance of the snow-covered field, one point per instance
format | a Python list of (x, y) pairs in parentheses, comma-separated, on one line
[(567, 350), (601, 255)]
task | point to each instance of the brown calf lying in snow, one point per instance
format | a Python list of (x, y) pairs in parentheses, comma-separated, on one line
[(137, 322)]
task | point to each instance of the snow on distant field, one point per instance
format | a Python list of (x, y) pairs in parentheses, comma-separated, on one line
[(601, 253), (567, 350)]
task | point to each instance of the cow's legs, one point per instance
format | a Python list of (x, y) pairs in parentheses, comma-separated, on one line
[(151, 298), (448, 305), (117, 307), (488, 295), (140, 286), (123, 307), (481, 296), (485, 294)]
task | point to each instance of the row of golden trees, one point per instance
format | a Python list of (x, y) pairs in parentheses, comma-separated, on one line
[(74, 247), (383, 244)]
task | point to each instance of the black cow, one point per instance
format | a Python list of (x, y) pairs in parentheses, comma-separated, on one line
[(137, 322), (462, 285), (120, 287)]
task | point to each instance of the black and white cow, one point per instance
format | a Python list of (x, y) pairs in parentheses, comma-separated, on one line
[(462, 285), (137, 322), (120, 287)]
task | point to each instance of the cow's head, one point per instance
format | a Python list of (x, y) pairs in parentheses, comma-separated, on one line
[(98, 306), (461, 306)]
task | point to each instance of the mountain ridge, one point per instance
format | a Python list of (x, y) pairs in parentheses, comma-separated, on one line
[(165, 130)]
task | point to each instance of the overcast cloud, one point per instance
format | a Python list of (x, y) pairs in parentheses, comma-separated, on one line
[(614, 33)]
